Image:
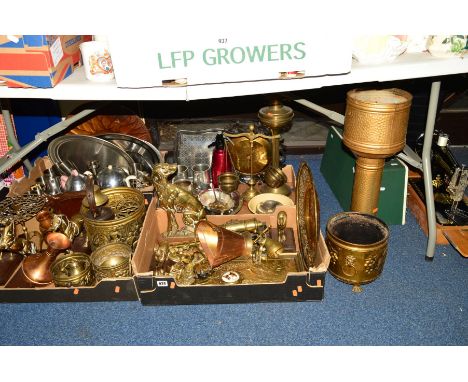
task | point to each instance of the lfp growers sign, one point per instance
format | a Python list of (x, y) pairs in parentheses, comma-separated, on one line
[(194, 58), (236, 55)]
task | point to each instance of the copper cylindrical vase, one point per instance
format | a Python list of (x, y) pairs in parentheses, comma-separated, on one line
[(357, 244), (375, 128)]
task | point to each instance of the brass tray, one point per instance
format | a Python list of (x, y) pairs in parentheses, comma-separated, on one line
[(307, 215)]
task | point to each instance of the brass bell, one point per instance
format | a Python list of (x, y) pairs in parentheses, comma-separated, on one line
[(99, 197)]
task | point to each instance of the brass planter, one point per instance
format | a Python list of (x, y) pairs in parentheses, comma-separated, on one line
[(357, 244), (112, 261), (128, 206), (73, 270)]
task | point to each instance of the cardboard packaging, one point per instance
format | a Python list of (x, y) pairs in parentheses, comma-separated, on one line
[(40, 61), (278, 52), (337, 167), (15, 288), (305, 284)]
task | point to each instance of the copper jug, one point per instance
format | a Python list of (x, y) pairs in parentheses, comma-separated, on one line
[(36, 268)]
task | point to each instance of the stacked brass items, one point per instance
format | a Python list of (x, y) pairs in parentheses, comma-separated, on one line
[(73, 270), (112, 261), (375, 128), (276, 118), (250, 153), (128, 209), (358, 247), (173, 198)]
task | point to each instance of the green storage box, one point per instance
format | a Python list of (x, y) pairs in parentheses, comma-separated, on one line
[(337, 168)]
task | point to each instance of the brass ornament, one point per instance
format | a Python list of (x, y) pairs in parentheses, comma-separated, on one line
[(112, 261), (72, 270), (375, 128), (173, 198), (250, 153), (357, 244), (128, 205), (21, 208), (307, 215)]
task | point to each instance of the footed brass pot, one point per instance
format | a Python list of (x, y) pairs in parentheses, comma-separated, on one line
[(112, 261), (357, 244), (128, 206), (72, 270)]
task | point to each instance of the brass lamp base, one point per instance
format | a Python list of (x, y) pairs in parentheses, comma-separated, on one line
[(282, 190)]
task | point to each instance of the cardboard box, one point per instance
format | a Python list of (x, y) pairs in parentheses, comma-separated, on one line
[(337, 167), (301, 285), (40, 61), (278, 52), (15, 288)]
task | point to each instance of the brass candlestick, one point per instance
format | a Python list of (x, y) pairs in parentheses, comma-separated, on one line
[(275, 117), (375, 129)]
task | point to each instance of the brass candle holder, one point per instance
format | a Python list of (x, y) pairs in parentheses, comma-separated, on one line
[(276, 118), (375, 128)]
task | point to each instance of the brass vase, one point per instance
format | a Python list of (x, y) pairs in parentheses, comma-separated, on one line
[(375, 128), (357, 244)]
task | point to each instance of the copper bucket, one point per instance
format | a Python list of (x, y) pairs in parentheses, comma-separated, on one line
[(357, 244), (221, 245)]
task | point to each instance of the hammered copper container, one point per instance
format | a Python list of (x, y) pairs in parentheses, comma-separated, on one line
[(357, 244), (128, 206), (375, 128)]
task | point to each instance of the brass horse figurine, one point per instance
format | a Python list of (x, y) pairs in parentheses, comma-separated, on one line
[(172, 199)]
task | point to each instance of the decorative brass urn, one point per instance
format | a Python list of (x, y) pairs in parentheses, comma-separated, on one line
[(375, 128), (128, 207), (357, 244)]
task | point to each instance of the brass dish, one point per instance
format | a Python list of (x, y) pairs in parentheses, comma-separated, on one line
[(128, 206), (72, 270), (112, 261), (266, 203), (307, 215)]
